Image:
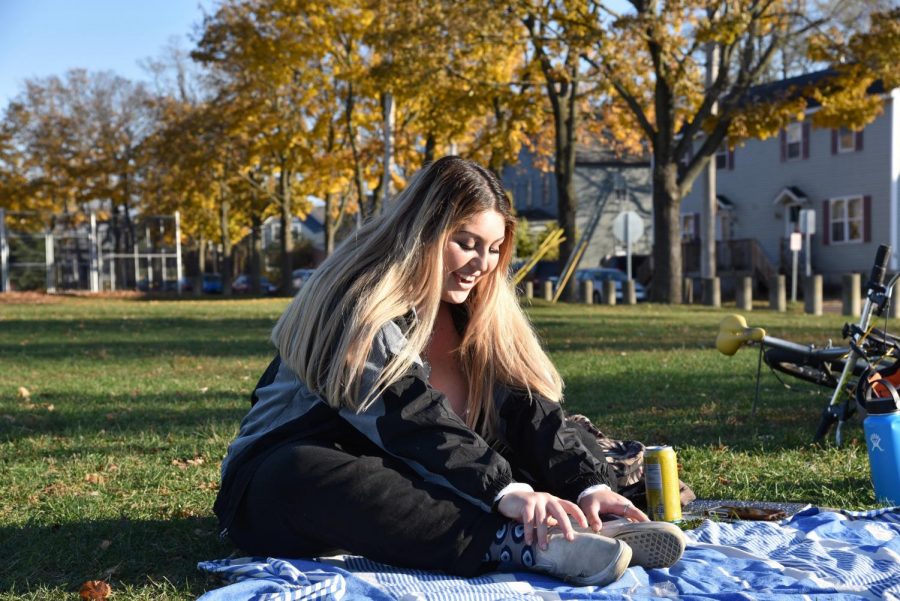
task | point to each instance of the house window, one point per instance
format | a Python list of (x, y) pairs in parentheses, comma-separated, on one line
[(689, 226), (722, 156), (846, 219), (846, 140), (794, 141)]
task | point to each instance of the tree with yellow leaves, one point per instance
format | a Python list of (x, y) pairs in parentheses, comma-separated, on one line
[(653, 59)]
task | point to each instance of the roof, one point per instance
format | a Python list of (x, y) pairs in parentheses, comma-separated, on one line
[(792, 86), (606, 156)]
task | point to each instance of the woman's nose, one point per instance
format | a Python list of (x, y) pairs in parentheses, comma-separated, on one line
[(482, 260)]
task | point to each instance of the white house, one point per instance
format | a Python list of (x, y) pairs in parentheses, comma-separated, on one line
[(850, 179)]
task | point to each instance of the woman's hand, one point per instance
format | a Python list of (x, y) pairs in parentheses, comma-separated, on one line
[(535, 509), (606, 501)]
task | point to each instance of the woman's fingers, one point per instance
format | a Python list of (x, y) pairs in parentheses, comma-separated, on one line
[(634, 514), (527, 519), (540, 525)]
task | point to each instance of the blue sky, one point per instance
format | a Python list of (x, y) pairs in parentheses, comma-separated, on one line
[(39, 38)]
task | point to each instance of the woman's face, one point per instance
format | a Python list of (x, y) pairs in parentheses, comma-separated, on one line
[(471, 253)]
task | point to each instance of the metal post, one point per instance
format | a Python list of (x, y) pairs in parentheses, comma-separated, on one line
[(808, 252), (95, 264), (112, 273), (4, 254), (628, 244), (137, 262), (50, 259), (178, 270), (794, 261)]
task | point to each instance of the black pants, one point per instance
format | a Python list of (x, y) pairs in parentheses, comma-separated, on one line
[(309, 499)]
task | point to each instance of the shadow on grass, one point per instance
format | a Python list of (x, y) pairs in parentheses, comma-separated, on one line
[(693, 408), (99, 338), (121, 550), (179, 415)]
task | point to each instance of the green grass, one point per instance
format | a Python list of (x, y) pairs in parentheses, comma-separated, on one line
[(110, 465)]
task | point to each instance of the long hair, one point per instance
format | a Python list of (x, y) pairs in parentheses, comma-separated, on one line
[(394, 264)]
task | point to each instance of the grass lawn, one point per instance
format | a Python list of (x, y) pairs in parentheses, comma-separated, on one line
[(115, 414)]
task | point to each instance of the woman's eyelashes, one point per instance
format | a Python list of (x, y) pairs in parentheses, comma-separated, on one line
[(469, 246)]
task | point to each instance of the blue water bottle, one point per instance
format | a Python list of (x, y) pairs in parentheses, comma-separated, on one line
[(882, 428)]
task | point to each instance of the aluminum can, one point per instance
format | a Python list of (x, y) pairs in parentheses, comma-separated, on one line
[(661, 478)]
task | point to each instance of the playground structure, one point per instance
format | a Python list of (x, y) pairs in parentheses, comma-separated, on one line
[(79, 251)]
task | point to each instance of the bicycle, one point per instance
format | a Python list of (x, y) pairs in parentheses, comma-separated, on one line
[(852, 371)]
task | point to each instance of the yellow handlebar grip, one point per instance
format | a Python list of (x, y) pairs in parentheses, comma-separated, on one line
[(734, 332)]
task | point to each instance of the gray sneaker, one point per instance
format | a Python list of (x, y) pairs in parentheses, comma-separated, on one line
[(653, 544), (589, 560)]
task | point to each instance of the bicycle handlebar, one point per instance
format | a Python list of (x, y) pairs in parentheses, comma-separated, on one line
[(882, 256)]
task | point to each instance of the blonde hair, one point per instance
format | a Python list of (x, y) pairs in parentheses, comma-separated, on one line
[(395, 264)]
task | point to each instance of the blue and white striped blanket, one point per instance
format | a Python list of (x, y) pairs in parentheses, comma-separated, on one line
[(815, 554)]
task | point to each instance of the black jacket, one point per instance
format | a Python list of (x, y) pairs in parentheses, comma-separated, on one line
[(414, 422)]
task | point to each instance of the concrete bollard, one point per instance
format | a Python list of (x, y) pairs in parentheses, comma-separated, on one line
[(812, 299), (778, 294), (548, 290), (743, 293), (609, 292), (712, 292), (529, 290), (587, 292), (850, 294), (629, 294), (687, 291)]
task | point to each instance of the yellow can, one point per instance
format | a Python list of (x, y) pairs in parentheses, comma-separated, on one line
[(661, 478)]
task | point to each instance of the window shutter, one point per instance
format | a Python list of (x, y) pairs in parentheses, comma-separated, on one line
[(805, 139), (834, 141), (826, 226), (867, 218), (730, 158), (782, 137), (859, 140)]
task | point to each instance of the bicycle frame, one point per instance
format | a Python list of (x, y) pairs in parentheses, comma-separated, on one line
[(818, 365)]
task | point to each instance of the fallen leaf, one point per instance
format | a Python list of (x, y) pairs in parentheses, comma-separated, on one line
[(196, 461), (94, 478), (104, 544), (95, 590), (51, 407), (23, 393), (204, 389)]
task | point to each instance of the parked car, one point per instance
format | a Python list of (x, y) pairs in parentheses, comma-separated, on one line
[(211, 283), (299, 277), (244, 284), (598, 275), (184, 284)]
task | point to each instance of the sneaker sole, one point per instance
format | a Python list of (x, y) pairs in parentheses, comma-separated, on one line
[(652, 548), (613, 571)]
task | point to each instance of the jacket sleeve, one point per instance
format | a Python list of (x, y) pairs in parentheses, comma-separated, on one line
[(415, 423), (547, 447)]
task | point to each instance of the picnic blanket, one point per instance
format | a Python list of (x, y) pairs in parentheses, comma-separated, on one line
[(815, 554)]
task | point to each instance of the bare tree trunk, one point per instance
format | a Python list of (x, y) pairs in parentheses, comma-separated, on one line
[(255, 252), (430, 144), (358, 178), (287, 233), (565, 115), (227, 249), (666, 287)]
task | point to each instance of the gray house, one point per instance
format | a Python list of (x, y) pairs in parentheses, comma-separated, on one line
[(602, 179), (850, 179)]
